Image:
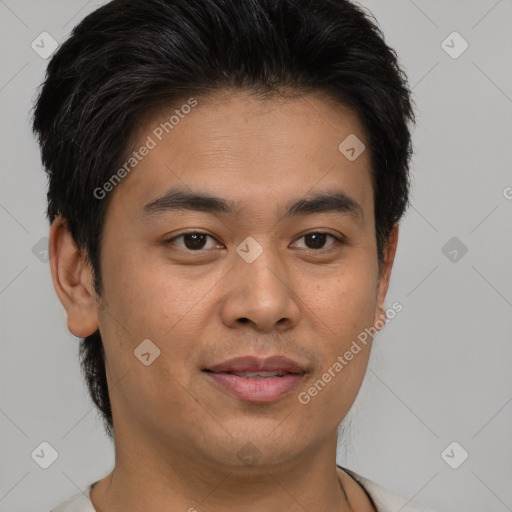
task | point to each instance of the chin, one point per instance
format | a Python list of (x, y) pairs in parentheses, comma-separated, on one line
[(253, 446)]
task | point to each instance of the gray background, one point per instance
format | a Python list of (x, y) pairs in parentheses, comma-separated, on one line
[(439, 372)]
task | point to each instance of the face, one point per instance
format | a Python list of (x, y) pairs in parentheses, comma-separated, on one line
[(282, 264)]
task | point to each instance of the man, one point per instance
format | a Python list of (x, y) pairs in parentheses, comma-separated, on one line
[(225, 185)]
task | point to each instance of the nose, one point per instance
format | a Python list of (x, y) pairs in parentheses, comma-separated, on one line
[(261, 293)]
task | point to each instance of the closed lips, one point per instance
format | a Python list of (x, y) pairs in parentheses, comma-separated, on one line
[(256, 379), (254, 367), (257, 374)]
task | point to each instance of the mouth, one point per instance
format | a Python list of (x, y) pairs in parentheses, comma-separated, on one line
[(253, 379), (254, 375)]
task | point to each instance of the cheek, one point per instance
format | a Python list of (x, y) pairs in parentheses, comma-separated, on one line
[(140, 290), (345, 304), (344, 312), (152, 305), (341, 310), (147, 300)]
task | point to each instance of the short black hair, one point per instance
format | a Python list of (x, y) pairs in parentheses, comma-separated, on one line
[(130, 57)]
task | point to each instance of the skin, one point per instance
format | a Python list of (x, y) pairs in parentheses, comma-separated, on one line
[(177, 435)]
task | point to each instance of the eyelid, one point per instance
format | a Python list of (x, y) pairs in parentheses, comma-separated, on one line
[(169, 241), (338, 238)]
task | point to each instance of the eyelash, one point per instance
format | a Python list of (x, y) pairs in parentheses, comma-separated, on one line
[(338, 240)]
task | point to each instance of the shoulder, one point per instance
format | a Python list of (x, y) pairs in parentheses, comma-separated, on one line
[(79, 502), (383, 499)]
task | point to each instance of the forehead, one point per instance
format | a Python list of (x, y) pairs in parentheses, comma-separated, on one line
[(238, 146)]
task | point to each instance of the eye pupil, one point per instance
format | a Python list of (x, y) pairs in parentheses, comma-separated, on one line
[(318, 240), (195, 237), (196, 241)]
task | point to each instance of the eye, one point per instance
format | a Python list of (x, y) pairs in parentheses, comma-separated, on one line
[(316, 240), (193, 241)]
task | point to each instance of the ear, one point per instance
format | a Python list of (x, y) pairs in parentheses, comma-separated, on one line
[(73, 280), (385, 275)]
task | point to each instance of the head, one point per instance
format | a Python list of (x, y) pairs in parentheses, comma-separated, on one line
[(247, 110)]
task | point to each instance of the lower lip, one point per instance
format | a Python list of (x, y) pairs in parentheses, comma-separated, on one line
[(268, 389)]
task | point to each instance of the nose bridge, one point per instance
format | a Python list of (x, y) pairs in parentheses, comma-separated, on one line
[(261, 291), (261, 267)]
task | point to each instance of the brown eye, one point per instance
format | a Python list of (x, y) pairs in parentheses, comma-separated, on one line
[(194, 241), (317, 240)]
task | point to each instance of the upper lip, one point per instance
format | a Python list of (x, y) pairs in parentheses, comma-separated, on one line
[(254, 364)]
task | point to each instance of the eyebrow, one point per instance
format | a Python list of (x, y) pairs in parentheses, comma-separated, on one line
[(325, 202)]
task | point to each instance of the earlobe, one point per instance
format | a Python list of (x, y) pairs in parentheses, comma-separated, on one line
[(73, 280), (385, 275)]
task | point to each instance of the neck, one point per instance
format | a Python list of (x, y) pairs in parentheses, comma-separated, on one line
[(146, 479)]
